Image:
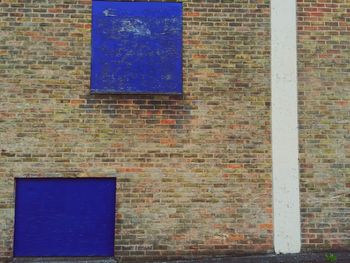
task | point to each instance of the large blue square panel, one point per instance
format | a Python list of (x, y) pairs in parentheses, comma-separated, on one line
[(136, 47), (65, 217)]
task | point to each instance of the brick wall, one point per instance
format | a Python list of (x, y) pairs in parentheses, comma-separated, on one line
[(324, 95), (193, 171)]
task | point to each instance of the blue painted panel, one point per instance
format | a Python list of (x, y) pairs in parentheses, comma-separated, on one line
[(65, 217), (136, 47)]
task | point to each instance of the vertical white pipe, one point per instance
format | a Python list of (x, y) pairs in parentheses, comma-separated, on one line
[(286, 204)]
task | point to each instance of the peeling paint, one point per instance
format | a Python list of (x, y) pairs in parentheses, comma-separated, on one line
[(135, 26), (109, 12)]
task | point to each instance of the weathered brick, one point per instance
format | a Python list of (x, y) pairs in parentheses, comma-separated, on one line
[(193, 171), (324, 95)]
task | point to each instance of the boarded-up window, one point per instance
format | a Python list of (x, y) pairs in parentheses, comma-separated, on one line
[(136, 47), (65, 217)]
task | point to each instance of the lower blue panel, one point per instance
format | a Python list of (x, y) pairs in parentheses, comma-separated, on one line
[(65, 217)]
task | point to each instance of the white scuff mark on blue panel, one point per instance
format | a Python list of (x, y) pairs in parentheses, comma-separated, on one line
[(135, 26), (109, 12)]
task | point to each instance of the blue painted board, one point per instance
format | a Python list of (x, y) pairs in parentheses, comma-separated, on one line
[(136, 47), (65, 217)]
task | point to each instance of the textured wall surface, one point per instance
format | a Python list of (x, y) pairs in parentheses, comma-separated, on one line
[(193, 171), (324, 95)]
